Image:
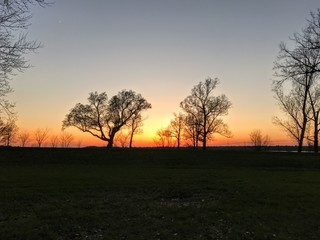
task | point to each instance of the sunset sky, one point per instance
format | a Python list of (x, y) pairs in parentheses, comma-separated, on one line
[(160, 49)]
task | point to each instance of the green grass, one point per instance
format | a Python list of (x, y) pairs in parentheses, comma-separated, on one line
[(158, 194)]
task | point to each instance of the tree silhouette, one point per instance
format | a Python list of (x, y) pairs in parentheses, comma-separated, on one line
[(300, 68), (24, 137), (15, 18), (206, 110), (66, 139), (177, 126), (258, 140), (40, 135), (296, 114), (135, 125), (103, 118), (164, 137), (8, 131), (54, 141), (121, 139)]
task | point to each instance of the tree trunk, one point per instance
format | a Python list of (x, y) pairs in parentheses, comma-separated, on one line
[(316, 144), (204, 145), (305, 117), (300, 143), (111, 137), (316, 133), (131, 139), (110, 143)]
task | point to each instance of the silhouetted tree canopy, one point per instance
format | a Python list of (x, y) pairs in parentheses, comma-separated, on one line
[(103, 118), (204, 111), (258, 140)]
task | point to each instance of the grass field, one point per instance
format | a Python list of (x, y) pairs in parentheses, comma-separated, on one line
[(99, 193)]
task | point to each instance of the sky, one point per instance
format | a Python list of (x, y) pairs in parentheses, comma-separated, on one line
[(160, 49)]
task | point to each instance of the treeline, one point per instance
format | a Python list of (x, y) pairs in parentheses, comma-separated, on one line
[(11, 135)]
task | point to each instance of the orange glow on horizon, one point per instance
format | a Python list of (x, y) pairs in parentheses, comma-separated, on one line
[(146, 139), (151, 125)]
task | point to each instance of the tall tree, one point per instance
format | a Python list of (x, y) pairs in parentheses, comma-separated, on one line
[(207, 109), (15, 18), (103, 118), (314, 99), (300, 67), (296, 114)]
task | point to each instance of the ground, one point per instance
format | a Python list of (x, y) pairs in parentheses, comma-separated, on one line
[(98, 193)]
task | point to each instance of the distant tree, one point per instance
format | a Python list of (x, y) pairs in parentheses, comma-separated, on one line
[(135, 124), (24, 137), (66, 139), (40, 135), (164, 137), (8, 131), (206, 110), (177, 125), (54, 141), (258, 140), (121, 139), (79, 143), (102, 118)]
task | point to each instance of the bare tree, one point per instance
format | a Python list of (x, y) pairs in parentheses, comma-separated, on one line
[(296, 114), (8, 131), (79, 143), (300, 66), (192, 130), (40, 135), (164, 137), (66, 139), (121, 139), (135, 125), (259, 140), (206, 110), (177, 125), (314, 98), (102, 118), (54, 141), (15, 18), (24, 137)]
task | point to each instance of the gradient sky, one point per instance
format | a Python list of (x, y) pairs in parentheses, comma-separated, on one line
[(160, 49)]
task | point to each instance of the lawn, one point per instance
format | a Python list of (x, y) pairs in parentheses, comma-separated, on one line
[(97, 193)]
